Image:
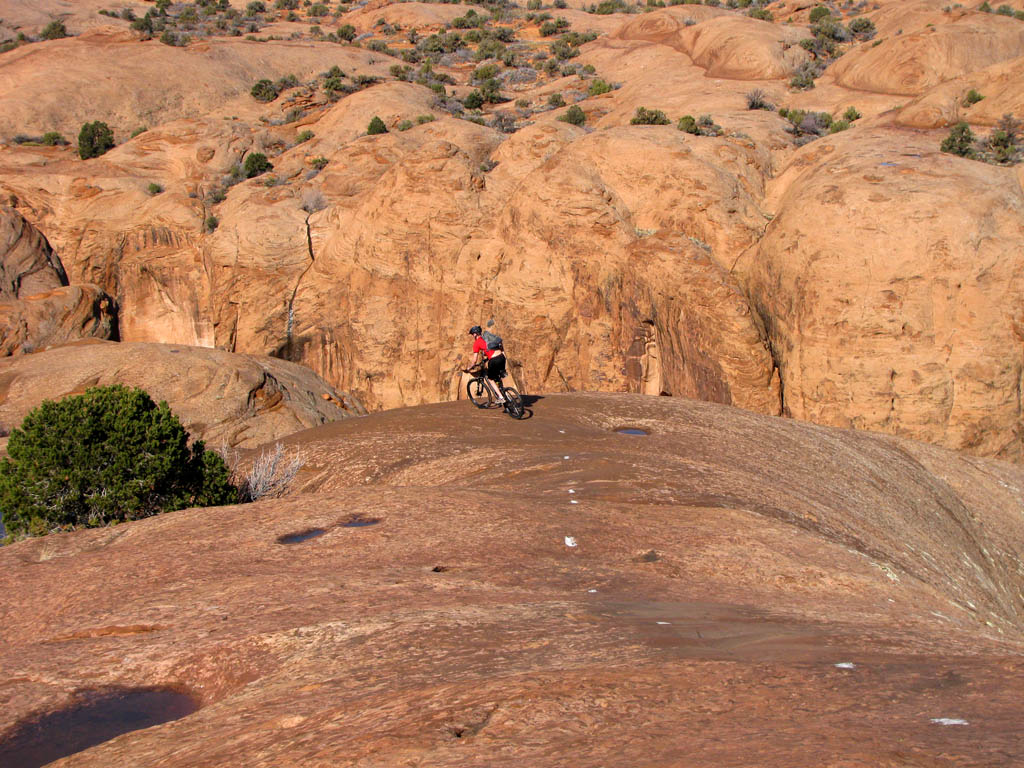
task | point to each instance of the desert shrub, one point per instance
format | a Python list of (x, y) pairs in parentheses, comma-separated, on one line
[(504, 121), (255, 164), (819, 13), (489, 49), (1001, 145), (758, 99), (53, 139), (404, 125), (365, 81), (154, 188), (319, 163), (985, 7), (549, 28), (598, 87), (838, 125), (316, 10), (95, 139), (851, 115), (401, 72), (255, 7), (688, 124), (556, 100), (474, 100), (286, 5), (960, 141), (304, 136), (485, 71), (863, 28), (106, 456), (574, 116), (264, 90), (425, 119), (211, 223), (376, 127), (271, 474), (346, 32), (288, 81), (1004, 10), (333, 80), (831, 29), (646, 116), (972, 97), (54, 31), (821, 47), (803, 78), (761, 14), (708, 127), (139, 131), (313, 200)]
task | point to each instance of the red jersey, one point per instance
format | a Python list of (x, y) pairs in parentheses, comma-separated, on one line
[(481, 346)]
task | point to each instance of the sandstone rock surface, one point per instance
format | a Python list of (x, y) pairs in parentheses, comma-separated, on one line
[(611, 256), (28, 264), (886, 306), (739, 585), (65, 314), (225, 399), (37, 306), (910, 64)]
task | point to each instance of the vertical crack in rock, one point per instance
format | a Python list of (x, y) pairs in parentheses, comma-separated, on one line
[(764, 326), (290, 322)]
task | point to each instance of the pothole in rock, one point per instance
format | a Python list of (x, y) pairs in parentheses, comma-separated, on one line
[(358, 521), (92, 718), (631, 431), (296, 538)]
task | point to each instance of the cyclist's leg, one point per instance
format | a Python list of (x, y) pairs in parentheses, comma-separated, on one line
[(495, 368)]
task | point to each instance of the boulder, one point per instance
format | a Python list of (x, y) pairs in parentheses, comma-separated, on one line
[(887, 305), (225, 399)]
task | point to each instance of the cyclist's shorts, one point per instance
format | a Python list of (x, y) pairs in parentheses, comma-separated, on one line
[(496, 368)]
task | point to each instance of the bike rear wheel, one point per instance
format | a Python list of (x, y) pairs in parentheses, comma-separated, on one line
[(513, 403), (479, 393)]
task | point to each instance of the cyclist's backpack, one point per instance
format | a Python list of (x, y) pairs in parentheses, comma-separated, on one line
[(493, 340)]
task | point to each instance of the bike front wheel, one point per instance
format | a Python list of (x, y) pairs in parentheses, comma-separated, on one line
[(479, 393), (513, 403)]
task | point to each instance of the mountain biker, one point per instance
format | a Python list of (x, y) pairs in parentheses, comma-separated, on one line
[(494, 358)]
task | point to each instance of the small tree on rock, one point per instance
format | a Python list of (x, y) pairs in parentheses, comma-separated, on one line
[(55, 30), (574, 116), (376, 127), (960, 141), (255, 164), (94, 139), (264, 90), (109, 455), (646, 116)]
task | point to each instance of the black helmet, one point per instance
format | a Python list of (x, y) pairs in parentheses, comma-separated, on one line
[(475, 330)]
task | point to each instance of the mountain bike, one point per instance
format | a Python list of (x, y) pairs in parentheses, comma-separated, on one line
[(482, 396)]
